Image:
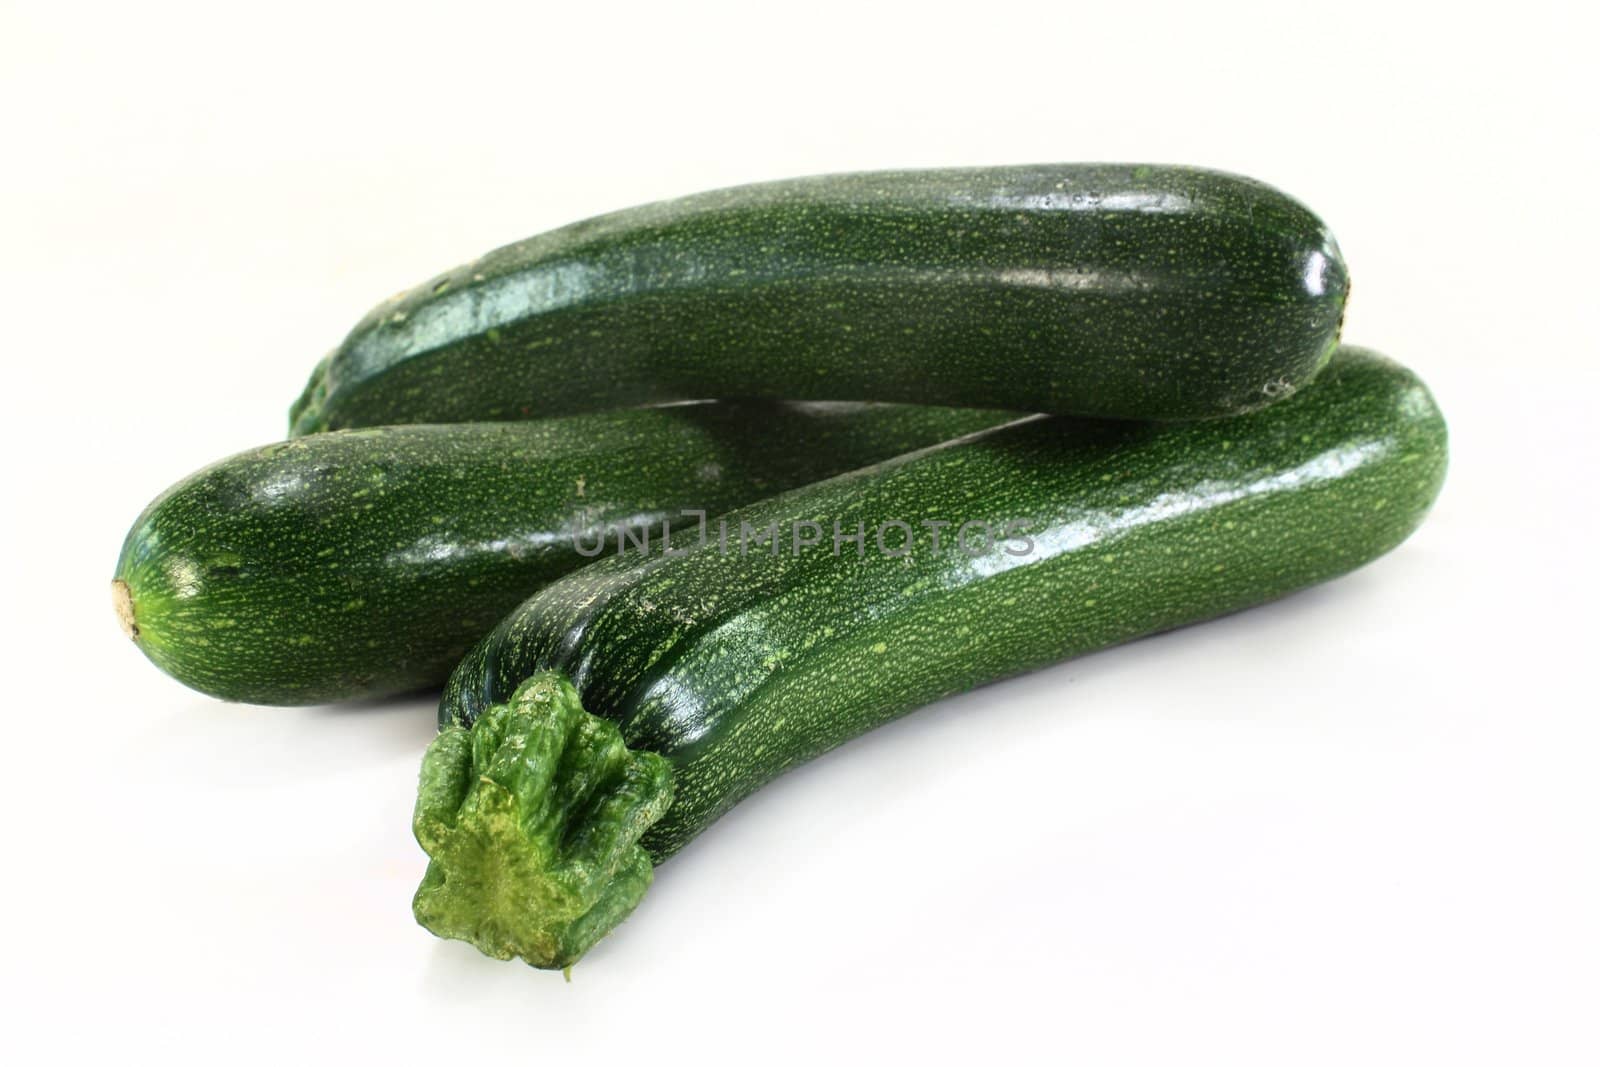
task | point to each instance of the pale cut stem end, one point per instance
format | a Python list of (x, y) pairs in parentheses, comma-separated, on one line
[(122, 601), (531, 820)]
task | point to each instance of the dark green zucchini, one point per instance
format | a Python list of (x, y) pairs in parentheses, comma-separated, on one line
[(619, 711), (364, 563), (1125, 291)]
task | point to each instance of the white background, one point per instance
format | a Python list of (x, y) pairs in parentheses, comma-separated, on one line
[(1355, 826)]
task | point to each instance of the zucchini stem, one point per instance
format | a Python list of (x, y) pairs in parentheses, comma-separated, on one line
[(531, 820), (122, 601)]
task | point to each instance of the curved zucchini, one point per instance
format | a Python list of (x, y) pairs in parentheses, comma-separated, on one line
[(1124, 291), (619, 711), (365, 563)]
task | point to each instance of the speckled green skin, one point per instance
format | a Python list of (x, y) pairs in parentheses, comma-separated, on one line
[(1110, 290), (365, 563), (738, 668)]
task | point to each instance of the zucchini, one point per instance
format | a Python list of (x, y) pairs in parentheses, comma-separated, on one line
[(1125, 291), (616, 713), (364, 563)]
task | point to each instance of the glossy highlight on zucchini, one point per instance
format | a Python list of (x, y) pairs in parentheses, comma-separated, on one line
[(730, 668), (364, 563), (1146, 292)]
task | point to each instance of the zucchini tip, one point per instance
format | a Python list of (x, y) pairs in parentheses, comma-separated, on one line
[(122, 601)]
